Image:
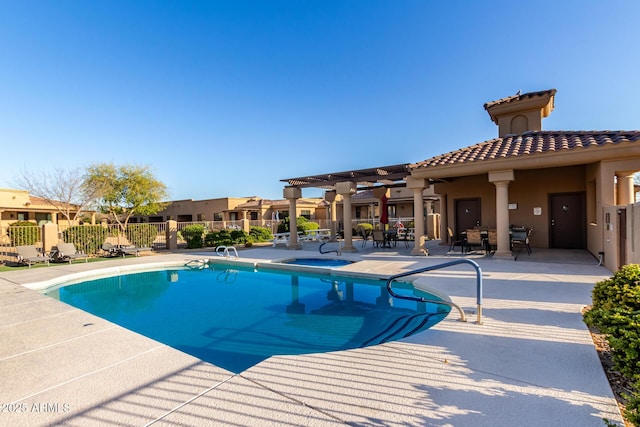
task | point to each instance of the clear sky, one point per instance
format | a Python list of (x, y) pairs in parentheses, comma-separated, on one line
[(226, 98)]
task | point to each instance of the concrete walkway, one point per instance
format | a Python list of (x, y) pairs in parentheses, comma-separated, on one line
[(531, 362)]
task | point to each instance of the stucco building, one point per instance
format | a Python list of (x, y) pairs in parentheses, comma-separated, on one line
[(573, 188)]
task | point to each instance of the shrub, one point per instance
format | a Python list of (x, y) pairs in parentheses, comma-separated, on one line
[(87, 238), (302, 224), (363, 228), (239, 237), (260, 234), (307, 225), (616, 313), (193, 235), (218, 238), (141, 235), (24, 233)]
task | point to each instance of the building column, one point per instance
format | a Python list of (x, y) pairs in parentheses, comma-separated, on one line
[(330, 197), (293, 194), (501, 180), (624, 191), (418, 186), (346, 189)]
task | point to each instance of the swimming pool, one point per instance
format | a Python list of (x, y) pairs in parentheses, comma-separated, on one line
[(235, 317)]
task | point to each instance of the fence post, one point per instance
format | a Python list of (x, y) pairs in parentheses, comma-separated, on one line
[(49, 236), (172, 234)]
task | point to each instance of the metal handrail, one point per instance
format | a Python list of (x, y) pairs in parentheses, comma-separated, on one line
[(436, 267)]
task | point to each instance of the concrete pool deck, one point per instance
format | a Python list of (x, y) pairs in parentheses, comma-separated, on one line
[(531, 362)]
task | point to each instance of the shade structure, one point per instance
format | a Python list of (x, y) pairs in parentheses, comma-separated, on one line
[(384, 215)]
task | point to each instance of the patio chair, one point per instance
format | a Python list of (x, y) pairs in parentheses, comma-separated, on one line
[(454, 241), (492, 241), (29, 255), (365, 236), (520, 237), (68, 252), (474, 239), (378, 238)]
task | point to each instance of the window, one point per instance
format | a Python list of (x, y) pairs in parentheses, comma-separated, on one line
[(217, 216), (305, 213), (43, 218), (200, 217), (253, 216)]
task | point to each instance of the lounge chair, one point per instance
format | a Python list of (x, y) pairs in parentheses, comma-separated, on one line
[(132, 250), (29, 255), (112, 250), (68, 252), (109, 249)]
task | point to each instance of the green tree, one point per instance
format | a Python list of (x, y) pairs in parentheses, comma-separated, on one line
[(126, 191)]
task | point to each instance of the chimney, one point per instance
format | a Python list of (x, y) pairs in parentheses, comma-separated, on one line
[(521, 112)]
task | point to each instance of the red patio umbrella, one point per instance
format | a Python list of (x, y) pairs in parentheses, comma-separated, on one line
[(384, 215)]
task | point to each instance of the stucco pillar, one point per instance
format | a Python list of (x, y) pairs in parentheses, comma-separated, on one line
[(172, 234), (49, 236), (501, 180), (330, 197), (418, 186), (293, 194), (346, 189), (625, 193)]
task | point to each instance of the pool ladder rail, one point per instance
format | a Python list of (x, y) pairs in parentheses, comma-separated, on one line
[(390, 279), (337, 251), (225, 251)]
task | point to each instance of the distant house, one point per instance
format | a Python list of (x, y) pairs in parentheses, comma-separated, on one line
[(232, 210), (19, 205)]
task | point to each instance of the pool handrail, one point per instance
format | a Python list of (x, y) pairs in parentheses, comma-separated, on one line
[(436, 267), (225, 251)]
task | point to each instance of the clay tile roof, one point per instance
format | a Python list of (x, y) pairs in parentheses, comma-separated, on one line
[(518, 96), (530, 143)]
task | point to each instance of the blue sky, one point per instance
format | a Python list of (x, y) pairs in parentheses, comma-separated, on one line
[(226, 98)]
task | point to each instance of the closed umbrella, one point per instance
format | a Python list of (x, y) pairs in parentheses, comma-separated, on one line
[(384, 215)]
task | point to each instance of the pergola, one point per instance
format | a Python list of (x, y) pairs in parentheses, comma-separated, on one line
[(348, 183)]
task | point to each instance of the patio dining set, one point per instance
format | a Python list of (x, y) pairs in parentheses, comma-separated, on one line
[(487, 239)]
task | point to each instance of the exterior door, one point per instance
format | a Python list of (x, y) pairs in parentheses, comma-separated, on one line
[(622, 237), (567, 221), (467, 214)]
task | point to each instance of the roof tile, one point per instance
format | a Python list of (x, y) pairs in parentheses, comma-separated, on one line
[(530, 143)]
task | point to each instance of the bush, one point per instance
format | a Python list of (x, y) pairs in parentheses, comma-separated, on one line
[(87, 238), (302, 224), (24, 233), (363, 228), (218, 238), (260, 234), (616, 313), (193, 235), (141, 235)]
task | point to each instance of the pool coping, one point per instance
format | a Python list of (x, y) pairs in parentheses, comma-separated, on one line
[(460, 373)]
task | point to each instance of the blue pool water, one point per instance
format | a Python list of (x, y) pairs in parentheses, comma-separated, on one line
[(235, 318)]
